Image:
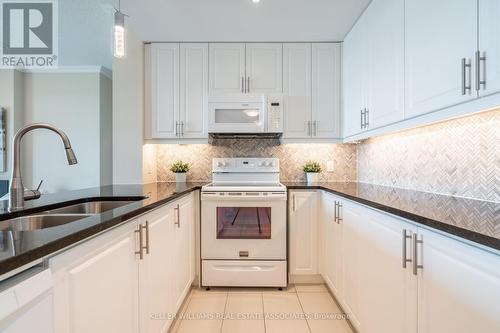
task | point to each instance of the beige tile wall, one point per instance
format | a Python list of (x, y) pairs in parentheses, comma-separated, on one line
[(459, 157), (292, 157)]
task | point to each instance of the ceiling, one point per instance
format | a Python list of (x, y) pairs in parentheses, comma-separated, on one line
[(242, 20)]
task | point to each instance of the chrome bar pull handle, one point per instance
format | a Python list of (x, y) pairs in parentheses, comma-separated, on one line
[(141, 243), (248, 84), (315, 127), (367, 117), (147, 237), (293, 203), (242, 84), (480, 82), (362, 119), (177, 220), (466, 65), (335, 212), (339, 214), (416, 266), (406, 236), (309, 128), (182, 128)]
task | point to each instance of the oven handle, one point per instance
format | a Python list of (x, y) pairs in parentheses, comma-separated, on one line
[(244, 268)]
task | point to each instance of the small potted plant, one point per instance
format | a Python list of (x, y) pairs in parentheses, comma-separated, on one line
[(180, 169), (312, 169)]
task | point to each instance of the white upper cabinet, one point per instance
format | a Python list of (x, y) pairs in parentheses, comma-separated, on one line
[(176, 91), (374, 68), (297, 90), (311, 91), (441, 42), (326, 64), (227, 68), (355, 66), (162, 115), (407, 63), (193, 90), (385, 51), (264, 68), (489, 47)]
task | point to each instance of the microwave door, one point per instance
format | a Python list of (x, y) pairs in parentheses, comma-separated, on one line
[(237, 119)]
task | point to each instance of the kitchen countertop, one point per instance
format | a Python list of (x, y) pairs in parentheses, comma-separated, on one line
[(474, 220), (23, 247)]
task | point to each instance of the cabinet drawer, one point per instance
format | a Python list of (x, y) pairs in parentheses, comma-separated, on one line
[(244, 273)]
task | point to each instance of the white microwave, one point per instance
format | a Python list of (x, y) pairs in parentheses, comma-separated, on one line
[(245, 114)]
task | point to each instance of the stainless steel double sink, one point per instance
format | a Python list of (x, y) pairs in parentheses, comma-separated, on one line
[(60, 216)]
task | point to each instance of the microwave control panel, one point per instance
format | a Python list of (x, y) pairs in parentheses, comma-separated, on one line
[(275, 114)]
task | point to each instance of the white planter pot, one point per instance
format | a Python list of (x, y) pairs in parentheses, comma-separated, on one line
[(312, 177), (180, 177)]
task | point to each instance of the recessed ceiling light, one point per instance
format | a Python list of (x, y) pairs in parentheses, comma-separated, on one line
[(255, 1)]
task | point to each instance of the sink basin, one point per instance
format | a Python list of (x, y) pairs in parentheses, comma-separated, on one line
[(60, 216), (37, 222), (93, 207)]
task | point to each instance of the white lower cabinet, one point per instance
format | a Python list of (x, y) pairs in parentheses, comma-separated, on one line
[(458, 287), (106, 285), (165, 280), (27, 302), (303, 241), (96, 284), (446, 286), (384, 287), (155, 275), (182, 249), (330, 266)]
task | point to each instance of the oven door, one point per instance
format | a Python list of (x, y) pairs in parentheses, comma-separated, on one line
[(236, 118), (238, 225)]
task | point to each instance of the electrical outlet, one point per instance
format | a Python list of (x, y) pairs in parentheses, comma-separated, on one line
[(329, 166)]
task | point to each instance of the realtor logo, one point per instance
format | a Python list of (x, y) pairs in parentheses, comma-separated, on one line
[(28, 34)]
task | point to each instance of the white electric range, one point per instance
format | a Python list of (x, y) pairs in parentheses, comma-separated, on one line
[(243, 224)]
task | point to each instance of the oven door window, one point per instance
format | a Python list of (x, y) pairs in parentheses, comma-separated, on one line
[(243, 222)]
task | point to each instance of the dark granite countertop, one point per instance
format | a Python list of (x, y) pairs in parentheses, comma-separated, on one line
[(474, 220), (23, 247)]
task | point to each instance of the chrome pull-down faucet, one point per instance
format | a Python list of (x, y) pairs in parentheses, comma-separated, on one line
[(17, 194)]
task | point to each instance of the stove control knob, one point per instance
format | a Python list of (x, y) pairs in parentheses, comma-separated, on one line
[(221, 164), (269, 164)]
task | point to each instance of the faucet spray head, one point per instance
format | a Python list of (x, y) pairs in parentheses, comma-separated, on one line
[(70, 155)]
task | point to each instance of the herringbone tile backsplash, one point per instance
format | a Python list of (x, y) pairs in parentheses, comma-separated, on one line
[(292, 158), (459, 157)]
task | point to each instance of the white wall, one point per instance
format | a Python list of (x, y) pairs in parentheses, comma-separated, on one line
[(11, 99), (128, 110), (106, 127), (73, 103)]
